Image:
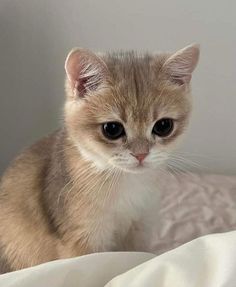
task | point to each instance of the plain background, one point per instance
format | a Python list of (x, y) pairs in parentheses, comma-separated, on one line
[(36, 35)]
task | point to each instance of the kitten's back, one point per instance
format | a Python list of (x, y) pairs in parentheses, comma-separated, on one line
[(24, 226)]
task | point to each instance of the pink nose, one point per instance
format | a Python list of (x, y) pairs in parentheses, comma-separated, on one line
[(140, 156)]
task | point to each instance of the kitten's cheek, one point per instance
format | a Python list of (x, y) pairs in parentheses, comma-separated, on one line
[(93, 152)]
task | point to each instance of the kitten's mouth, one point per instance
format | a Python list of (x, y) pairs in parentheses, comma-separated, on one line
[(141, 167), (138, 168)]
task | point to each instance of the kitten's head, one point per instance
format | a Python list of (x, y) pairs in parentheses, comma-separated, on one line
[(126, 110)]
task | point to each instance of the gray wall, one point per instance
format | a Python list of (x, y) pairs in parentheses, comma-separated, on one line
[(35, 36)]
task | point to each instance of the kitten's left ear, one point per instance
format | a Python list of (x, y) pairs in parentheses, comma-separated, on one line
[(85, 71), (179, 66)]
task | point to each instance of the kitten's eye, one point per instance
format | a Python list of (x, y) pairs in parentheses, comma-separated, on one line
[(163, 127), (113, 130)]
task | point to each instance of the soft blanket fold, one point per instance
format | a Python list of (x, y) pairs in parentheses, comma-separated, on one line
[(209, 261)]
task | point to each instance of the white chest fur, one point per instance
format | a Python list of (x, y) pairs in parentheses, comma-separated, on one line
[(134, 195)]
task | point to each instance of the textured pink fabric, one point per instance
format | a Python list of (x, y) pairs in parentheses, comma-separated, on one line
[(193, 205)]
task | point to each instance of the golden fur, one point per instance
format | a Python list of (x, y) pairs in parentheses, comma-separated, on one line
[(75, 191)]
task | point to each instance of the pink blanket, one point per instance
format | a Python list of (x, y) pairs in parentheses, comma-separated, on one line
[(195, 205)]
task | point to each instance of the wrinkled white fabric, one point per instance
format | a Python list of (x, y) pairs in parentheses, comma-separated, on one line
[(92, 270), (208, 261)]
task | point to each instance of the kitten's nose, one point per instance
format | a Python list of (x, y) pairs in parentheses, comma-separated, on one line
[(140, 156)]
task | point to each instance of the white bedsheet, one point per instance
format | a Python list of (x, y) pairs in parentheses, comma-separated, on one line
[(209, 261)]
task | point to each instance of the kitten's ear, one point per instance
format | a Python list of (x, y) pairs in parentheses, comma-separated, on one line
[(85, 71), (180, 65)]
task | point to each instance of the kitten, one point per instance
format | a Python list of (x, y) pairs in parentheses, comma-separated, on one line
[(86, 187)]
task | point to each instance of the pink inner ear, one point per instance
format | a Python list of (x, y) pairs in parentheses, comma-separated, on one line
[(85, 71), (80, 87), (85, 84), (181, 80), (179, 66)]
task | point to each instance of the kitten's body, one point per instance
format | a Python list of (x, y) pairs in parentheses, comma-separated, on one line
[(76, 192), (43, 218)]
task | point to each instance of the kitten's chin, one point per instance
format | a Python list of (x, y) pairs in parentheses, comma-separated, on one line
[(137, 169)]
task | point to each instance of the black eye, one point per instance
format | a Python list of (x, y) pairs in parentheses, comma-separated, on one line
[(163, 127), (113, 130)]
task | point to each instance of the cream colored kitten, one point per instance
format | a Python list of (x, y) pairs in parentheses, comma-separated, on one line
[(88, 186)]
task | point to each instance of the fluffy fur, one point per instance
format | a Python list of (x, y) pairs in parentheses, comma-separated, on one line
[(75, 191)]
